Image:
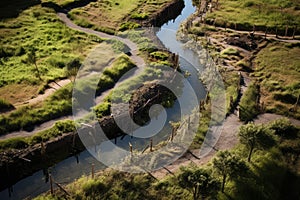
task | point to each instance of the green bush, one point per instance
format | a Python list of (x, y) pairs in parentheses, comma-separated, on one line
[(129, 25), (59, 128), (248, 105), (118, 46), (140, 16), (119, 67), (102, 109), (13, 143), (5, 105), (229, 51), (248, 3), (160, 55), (283, 128)]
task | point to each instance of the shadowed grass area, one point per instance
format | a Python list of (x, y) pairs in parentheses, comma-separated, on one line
[(267, 176), (248, 105), (277, 69), (12, 8), (58, 129)]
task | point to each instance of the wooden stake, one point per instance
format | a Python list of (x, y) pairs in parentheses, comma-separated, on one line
[(188, 122), (51, 184), (295, 107), (151, 145), (93, 171), (130, 148), (172, 134)]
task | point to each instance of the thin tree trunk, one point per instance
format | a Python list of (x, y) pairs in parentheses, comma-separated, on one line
[(250, 154), (223, 183), (295, 28), (37, 69), (195, 193)]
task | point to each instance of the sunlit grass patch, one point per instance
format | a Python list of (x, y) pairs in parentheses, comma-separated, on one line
[(261, 13)]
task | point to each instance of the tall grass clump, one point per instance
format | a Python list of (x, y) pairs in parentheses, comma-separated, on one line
[(249, 108)]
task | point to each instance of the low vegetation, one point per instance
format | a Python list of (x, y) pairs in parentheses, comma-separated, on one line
[(277, 69), (33, 52), (4, 105), (261, 14), (58, 129), (60, 104), (111, 16), (249, 105), (269, 175)]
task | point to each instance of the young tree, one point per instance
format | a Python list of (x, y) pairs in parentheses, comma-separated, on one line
[(199, 181), (255, 136), (228, 166), (31, 58), (72, 69)]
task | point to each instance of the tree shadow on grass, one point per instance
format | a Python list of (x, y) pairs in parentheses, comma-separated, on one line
[(12, 8)]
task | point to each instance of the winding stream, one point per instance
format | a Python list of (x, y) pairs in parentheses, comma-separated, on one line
[(74, 167)]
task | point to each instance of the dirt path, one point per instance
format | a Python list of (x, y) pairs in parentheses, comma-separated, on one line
[(134, 56), (41, 97), (228, 140), (133, 47)]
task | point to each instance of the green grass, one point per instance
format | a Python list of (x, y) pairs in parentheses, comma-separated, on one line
[(39, 29), (232, 82), (58, 129), (61, 2), (58, 104), (248, 107), (261, 13), (5, 105), (229, 52), (119, 67), (277, 69), (113, 15)]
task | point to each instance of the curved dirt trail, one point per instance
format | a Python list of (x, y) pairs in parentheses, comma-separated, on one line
[(47, 93), (140, 63), (133, 47), (228, 140)]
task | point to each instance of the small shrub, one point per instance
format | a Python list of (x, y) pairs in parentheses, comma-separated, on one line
[(140, 16), (102, 109), (285, 97), (230, 51), (159, 55), (13, 143), (248, 105), (129, 25), (5, 105), (283, 128), (248, 4)]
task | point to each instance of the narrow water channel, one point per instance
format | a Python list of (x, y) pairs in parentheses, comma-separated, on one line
[(77, 166)]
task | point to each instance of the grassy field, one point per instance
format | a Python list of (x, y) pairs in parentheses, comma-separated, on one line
[(261, 13), (278, 70), (112, 15), (36, 29), (61, 2)]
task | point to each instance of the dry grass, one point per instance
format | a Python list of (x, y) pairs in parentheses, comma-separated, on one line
[(17, 93)]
